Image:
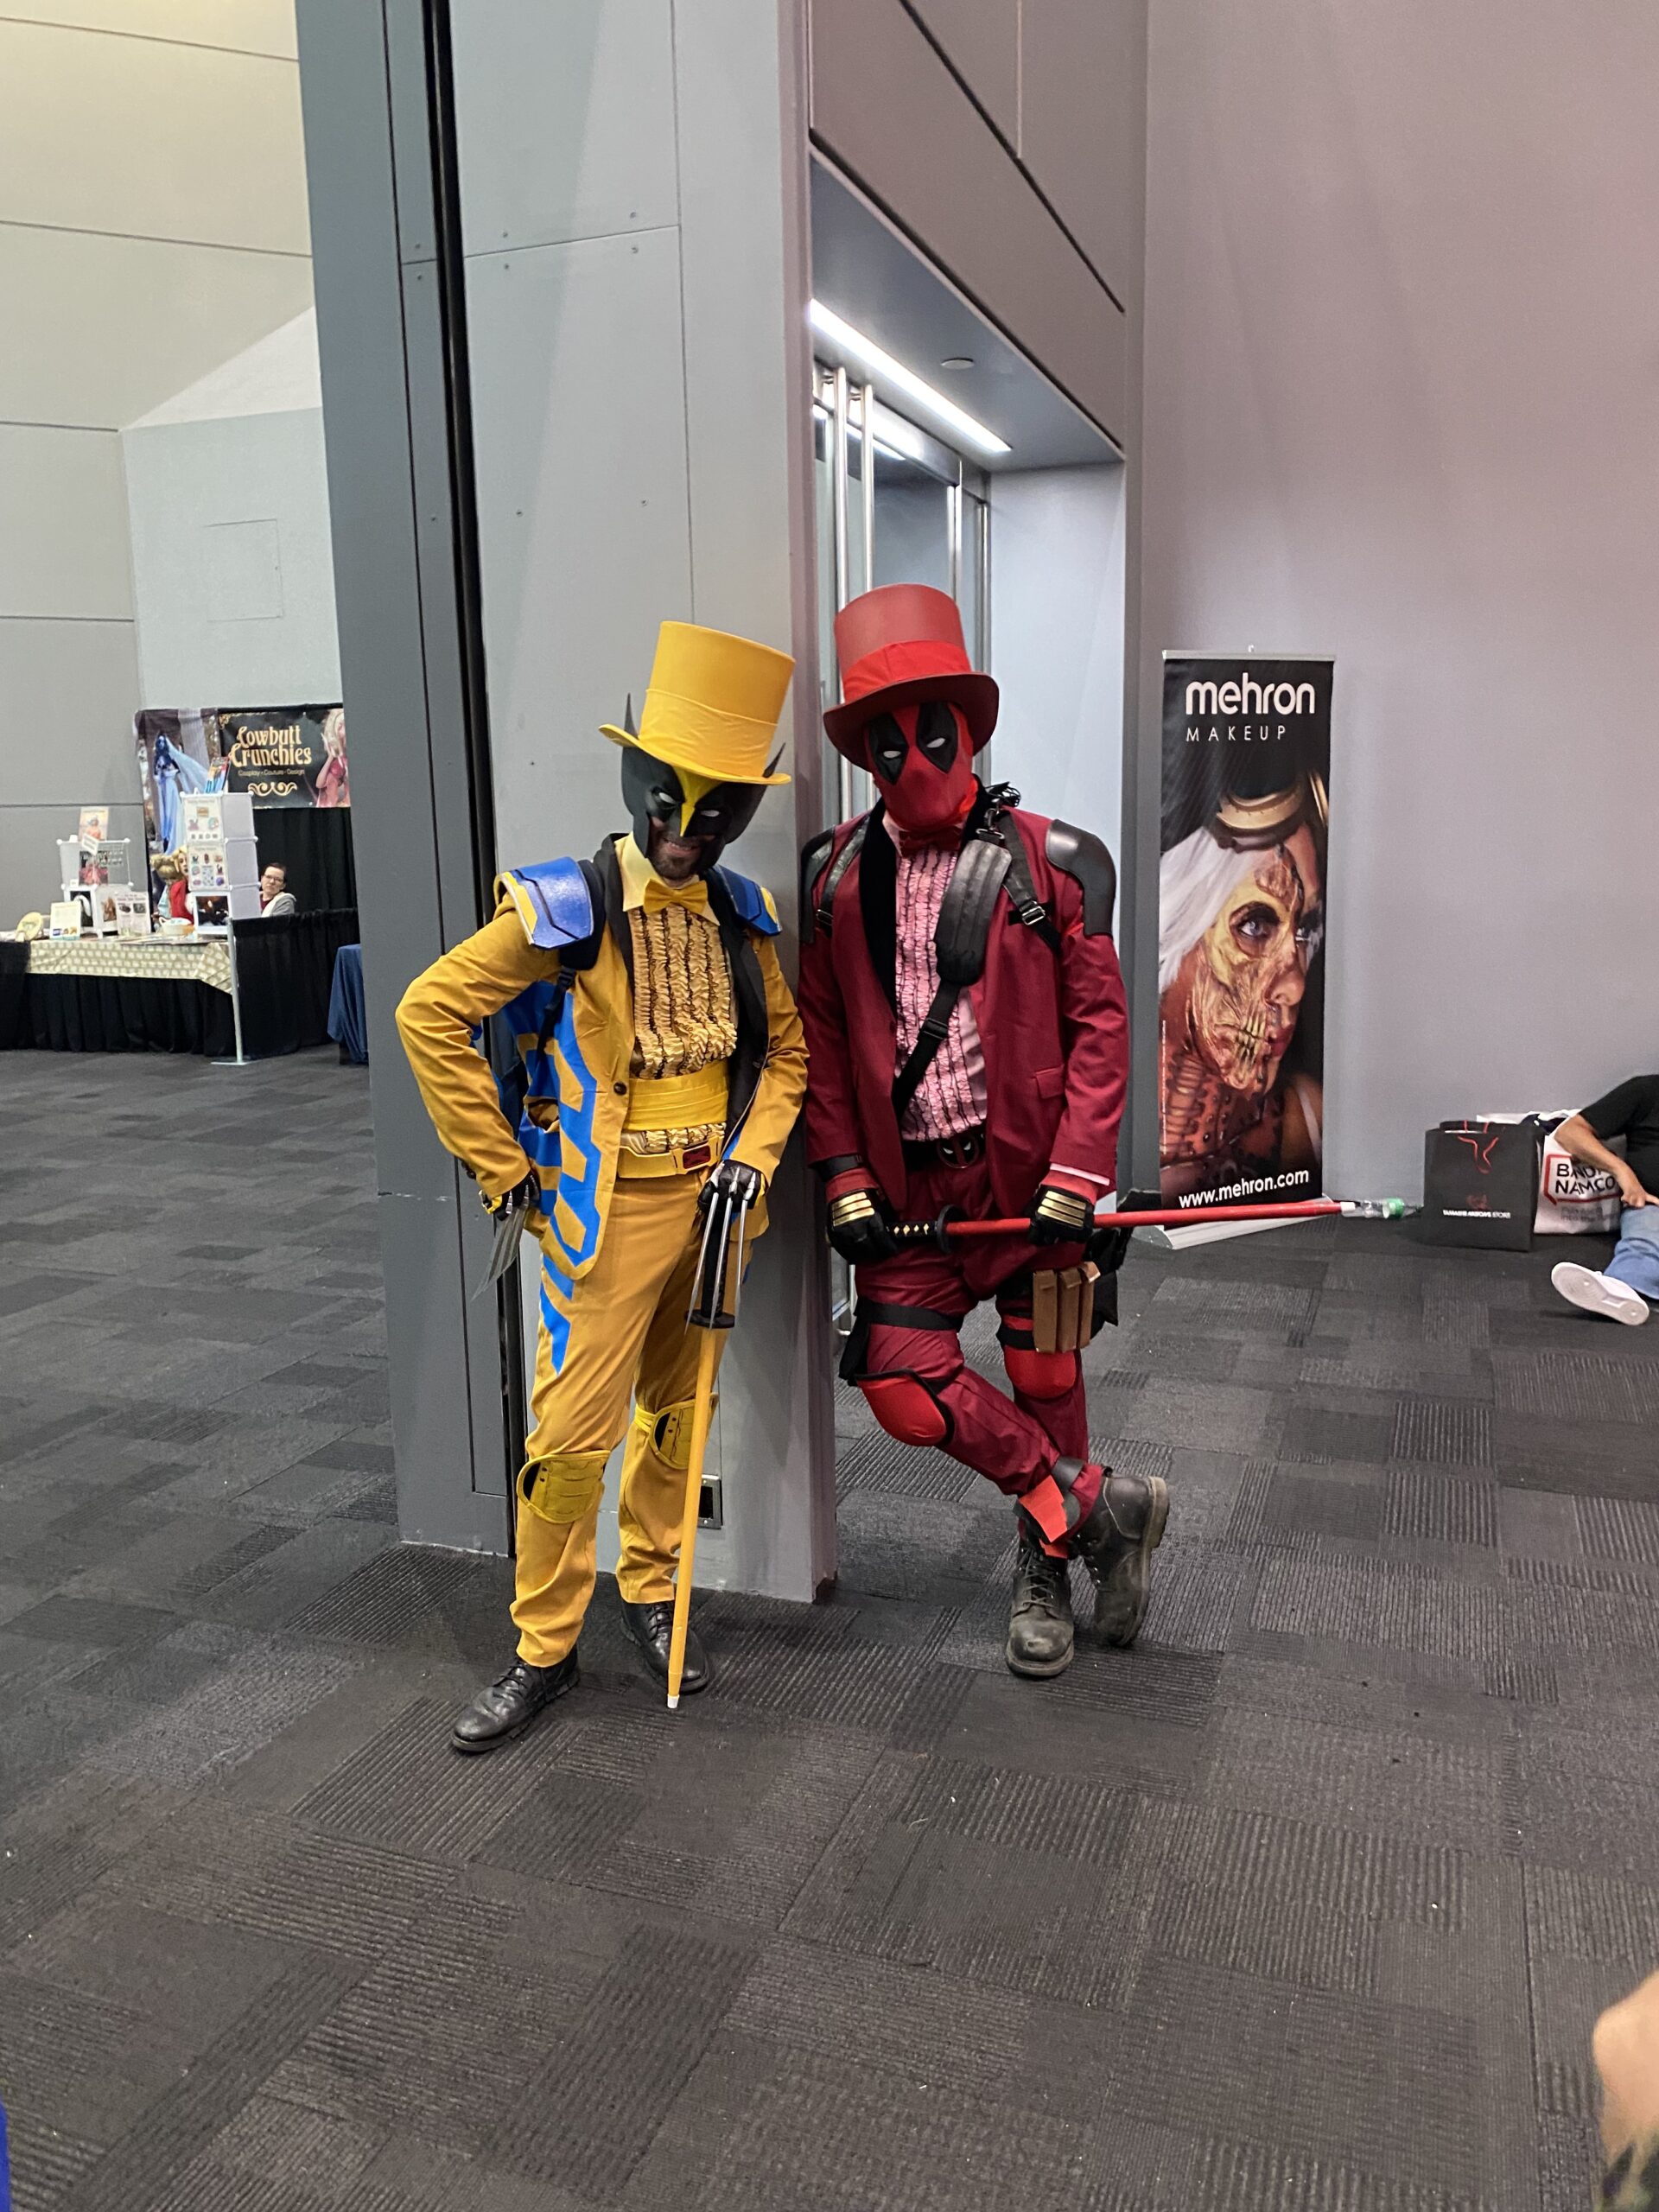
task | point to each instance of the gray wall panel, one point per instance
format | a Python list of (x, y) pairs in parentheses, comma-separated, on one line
[(579, 431), (566, 118), (1401, 348), (59, 678), (887, 109), (981, 39), (1082, 104), (72, 560), (639, 423), (189, 485), (747, 369)]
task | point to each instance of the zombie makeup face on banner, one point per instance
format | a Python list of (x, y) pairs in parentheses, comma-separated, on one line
[(1242, 897)]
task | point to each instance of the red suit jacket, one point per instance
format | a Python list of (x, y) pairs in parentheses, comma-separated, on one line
[(1054, 1029)]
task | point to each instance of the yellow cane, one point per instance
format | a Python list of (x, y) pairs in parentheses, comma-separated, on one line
[(701, 1413), (726, 1219)]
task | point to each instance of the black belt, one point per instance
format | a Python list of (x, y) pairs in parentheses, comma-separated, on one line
[(958, 1151)]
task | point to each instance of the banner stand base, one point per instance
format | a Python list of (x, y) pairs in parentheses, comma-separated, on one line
[(1213, 1232)]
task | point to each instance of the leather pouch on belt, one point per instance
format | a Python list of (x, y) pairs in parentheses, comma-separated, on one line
[(1062, 1307)]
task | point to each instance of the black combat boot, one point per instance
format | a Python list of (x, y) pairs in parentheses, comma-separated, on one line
[(651, 1627), (1039, 1619), (1115, 1542), (505, 1709)]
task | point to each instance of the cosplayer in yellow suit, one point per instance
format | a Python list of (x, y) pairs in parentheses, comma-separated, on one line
[(662, 1048)]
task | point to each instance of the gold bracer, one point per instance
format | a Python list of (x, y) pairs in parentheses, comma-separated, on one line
[(852, 1205), (1066, 1210)]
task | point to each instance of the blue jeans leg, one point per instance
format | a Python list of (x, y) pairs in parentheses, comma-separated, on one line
[(1636, 1256)]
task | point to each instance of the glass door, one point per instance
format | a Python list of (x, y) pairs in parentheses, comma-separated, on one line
[(894, 506), (919, 514)]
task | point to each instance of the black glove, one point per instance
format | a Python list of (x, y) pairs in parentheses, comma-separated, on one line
[(859, 1227), (733, 1180), (1109, 1248), (522, 1198), (1059, 1216)]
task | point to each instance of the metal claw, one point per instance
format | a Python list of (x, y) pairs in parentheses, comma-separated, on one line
[(742, 1233), (714, 1209), (504, 1251)]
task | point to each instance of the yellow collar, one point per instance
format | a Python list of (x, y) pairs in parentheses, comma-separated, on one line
[(642, 887)]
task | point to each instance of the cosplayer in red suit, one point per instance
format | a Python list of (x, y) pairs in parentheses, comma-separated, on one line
[(968, 1048)]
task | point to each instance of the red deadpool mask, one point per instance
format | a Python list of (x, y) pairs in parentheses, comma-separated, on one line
[(922, 758)]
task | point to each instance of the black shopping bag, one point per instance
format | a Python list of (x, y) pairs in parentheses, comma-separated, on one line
[(1480, 1185)]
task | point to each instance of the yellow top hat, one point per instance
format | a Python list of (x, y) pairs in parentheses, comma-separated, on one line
[(713, 705)]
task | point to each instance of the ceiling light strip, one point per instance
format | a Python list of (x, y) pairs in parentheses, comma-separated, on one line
[(898, 379)]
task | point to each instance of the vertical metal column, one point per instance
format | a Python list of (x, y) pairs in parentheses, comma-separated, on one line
[(867, 477), (379, 159), (838, 499)]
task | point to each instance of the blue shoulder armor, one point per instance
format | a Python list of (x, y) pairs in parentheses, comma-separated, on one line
[(752, 900), (555, 900)]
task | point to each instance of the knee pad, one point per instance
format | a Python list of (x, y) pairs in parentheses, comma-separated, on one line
[(906, 1407), (563, 1486), (666, 1430), (1040, 1374)]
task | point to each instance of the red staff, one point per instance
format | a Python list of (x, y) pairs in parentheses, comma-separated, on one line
[(1164, 1217)]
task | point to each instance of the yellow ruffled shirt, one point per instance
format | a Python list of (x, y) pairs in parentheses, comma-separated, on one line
[(685, 1018)]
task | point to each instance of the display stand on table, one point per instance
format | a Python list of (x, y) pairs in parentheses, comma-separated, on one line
[(223, 860)]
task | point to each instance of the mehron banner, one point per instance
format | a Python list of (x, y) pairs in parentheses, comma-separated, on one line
[(1241, 927)]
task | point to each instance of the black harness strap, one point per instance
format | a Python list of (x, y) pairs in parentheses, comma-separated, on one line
[(959, 939), (823, 905), (1022, 892)]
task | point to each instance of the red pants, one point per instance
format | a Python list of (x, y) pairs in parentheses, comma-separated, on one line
[(913, 1374)]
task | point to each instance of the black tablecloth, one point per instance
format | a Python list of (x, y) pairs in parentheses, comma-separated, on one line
[(126, 1013), (14, 979), (284, 968)]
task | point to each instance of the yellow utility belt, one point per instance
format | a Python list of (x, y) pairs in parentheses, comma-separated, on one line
[(674, 1124)]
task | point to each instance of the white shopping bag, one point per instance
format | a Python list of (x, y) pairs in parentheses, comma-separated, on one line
[(1574, 1200)]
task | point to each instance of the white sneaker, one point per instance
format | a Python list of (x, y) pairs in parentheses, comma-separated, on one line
[(1597, 1294)]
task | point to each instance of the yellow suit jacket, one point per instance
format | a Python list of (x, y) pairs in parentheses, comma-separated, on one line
[(582, 1110)]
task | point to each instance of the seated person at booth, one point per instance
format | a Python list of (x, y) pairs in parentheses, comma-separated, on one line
[(1621, 1290), (275, 897)]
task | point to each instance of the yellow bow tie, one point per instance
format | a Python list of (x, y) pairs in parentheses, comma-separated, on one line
[(658, 894)]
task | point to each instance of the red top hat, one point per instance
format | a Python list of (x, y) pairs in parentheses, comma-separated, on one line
[(899, 643)]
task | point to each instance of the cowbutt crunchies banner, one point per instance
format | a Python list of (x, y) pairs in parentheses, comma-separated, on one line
[(1242, 887)]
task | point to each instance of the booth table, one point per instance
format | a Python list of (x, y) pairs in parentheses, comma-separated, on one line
[(115, 994)]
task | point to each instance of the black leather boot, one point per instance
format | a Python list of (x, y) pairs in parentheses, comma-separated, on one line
[(1039, 1619), (1116, 1543), (504, 1709), (651, 1627)]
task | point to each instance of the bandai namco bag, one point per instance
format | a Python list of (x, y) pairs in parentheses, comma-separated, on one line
[(1574, 1200)]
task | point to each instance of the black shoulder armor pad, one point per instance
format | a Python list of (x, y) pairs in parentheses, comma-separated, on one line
[(1080, 854)]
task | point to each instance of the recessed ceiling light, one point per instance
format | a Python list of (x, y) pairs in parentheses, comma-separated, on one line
[(898, 378), (957, 361)]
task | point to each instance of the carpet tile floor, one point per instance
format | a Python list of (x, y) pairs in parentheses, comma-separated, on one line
[(1306, 1906)]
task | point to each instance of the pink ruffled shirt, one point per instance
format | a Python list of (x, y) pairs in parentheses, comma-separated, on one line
[(951, 1096)]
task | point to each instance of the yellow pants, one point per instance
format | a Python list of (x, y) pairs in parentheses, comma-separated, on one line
[(628, 1340)]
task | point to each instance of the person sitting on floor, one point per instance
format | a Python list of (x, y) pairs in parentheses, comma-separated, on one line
[(275, 897), (1621, 1290)]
